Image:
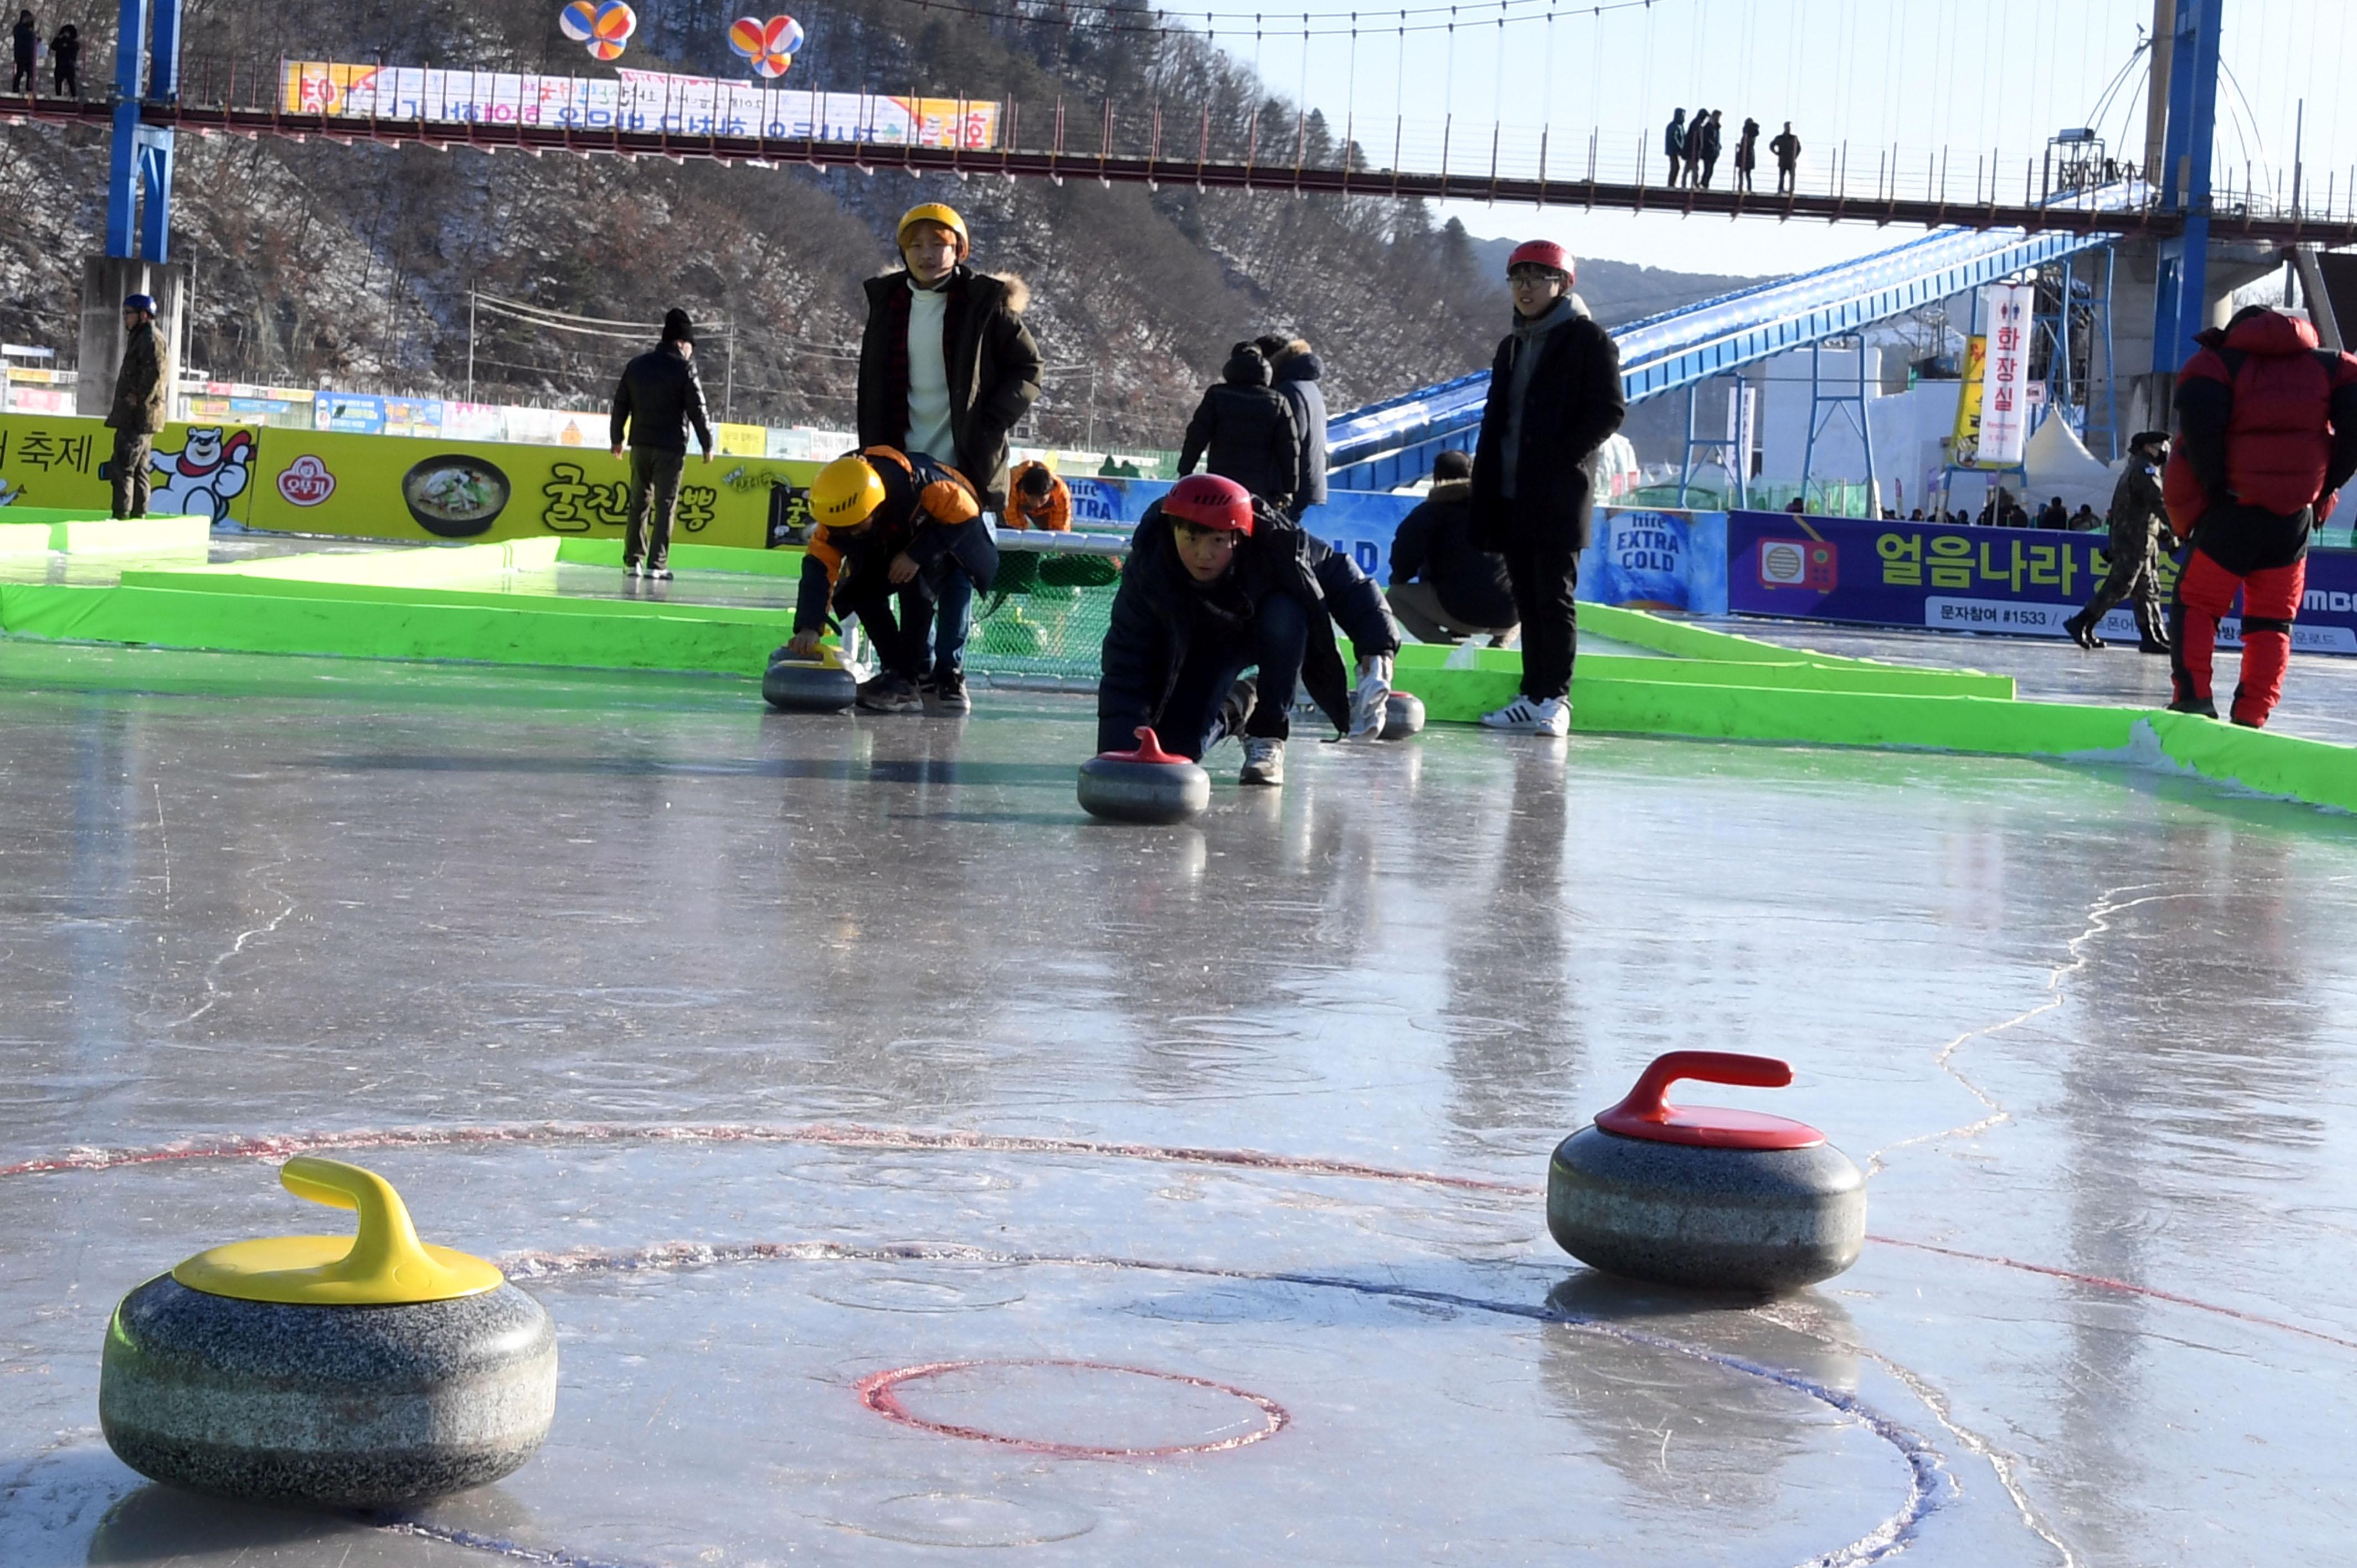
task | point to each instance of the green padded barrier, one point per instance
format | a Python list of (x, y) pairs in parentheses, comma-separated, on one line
[(396, 568), (256, 586), (24, 538), (682, 639), (2312, 771), (784, 562), (1640, 630), (1415, 658), (97, 536)]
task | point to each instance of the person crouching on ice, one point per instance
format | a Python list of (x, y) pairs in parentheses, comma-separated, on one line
[(1216, 584), (892, 524)]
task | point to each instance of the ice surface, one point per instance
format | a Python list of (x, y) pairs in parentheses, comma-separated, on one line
[(668, 1002)]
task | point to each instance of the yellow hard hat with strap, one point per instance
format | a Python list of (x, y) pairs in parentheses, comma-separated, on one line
[(846, 492), (935, 212)]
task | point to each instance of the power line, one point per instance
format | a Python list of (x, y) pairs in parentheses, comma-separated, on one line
[(1261, 22)]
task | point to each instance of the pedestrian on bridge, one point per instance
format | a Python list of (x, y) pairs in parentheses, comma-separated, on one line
[(1787, 148), (1674, 144), (1555, 398), (27, 41), (65, 62), (142, 404), (1702, 146), (1747, 154)]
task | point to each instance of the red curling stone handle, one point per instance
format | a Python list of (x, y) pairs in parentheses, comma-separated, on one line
[(1150, 749), (1647, 1113)]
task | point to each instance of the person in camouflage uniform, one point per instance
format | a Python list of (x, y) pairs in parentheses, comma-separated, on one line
[(2139, 525), (140, 409)]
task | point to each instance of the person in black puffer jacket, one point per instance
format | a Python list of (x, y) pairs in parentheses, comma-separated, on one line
[(1245, 430), (654, 403), (1216, 582), (1296, 371), (1445, 587)]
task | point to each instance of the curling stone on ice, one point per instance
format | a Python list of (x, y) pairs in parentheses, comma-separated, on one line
[(1148, 785), (1403, 716), (350, 1371), (1703, 1196), (820, 685)]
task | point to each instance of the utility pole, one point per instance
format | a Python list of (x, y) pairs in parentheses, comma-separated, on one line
[(729, 386), (470, 345)]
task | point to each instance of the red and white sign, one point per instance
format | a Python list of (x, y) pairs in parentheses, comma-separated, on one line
[(306, 481), (2005, 386)]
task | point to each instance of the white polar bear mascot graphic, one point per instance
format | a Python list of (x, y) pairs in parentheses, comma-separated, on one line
[(203, 476)]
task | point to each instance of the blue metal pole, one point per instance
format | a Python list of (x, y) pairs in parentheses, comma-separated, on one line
[(123, 165), (2180, 306)]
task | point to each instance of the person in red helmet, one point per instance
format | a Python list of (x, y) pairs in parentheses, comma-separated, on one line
[(1217, 582), (1554, 399), (2267, 436)]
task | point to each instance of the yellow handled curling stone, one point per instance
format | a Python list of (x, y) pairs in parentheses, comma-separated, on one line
[(350, 1371)]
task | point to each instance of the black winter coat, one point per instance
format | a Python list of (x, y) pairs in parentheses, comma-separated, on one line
[(1434, 542), (994, 369), (1245, 431), (1153, 619), (1573, 405), (658, 398), (1296, 371)]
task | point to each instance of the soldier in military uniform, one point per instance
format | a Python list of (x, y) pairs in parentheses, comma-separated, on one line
[(2140, 523)]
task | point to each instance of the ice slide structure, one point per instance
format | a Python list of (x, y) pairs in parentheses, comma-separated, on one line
[(1392, 443)]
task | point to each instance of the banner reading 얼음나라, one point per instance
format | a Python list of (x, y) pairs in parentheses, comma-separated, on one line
[(647, 101), (2022, 582), (2004, 392)]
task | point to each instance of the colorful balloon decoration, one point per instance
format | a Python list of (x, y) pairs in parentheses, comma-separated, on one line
[(605, 25), (770, 46)]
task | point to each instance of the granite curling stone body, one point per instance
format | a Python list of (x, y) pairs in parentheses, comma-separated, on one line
[(1403, 716), (1703, 1196), (1148, 785), (820, 685), (357, 1371)]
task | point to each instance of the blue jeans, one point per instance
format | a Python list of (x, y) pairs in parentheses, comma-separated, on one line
[(1277, 640), (953, 619)]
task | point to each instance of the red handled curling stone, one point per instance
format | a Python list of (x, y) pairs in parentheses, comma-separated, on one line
[(817, 685), (1705, 1196), (1403, 716), (1148, 784)]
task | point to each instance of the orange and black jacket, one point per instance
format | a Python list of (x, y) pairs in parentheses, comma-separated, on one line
[(1053, 515), (930, 511)]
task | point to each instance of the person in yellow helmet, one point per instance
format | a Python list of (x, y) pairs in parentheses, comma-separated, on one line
[(887, 525), (946, 367)]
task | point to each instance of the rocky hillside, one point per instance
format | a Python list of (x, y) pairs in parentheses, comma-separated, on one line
[(318, 263)]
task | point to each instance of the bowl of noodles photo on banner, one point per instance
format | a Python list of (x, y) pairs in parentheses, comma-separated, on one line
[(454, 495)]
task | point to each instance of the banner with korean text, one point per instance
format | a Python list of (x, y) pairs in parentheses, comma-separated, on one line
[(2005, 386), (2020, 582)]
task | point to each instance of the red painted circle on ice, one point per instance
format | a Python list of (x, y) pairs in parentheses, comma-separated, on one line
[(879, 1391)]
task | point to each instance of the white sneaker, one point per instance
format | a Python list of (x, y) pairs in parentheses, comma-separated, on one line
[(1263, 760), (1525, 717)]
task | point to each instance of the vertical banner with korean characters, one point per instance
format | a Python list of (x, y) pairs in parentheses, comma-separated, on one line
[(1967, 446), (2019, 582), (2005, 388)]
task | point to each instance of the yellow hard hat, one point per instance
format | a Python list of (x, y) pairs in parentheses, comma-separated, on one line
[(935, 212), (846, 492)]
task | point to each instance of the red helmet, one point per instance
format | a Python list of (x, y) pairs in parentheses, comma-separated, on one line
[(1207, 501), (1542, 253)]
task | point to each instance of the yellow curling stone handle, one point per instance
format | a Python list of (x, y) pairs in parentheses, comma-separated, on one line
[(384, 1265)]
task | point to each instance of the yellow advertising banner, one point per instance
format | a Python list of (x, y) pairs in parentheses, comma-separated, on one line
[(1967, 445), (392, 487)]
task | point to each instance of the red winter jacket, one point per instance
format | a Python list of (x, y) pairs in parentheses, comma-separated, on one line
[(2265, 419)]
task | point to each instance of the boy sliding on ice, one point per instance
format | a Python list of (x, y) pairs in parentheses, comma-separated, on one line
[(1217, 583), (892, 523)]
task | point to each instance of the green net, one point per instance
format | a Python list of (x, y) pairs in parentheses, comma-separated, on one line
[(1044, 616)]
